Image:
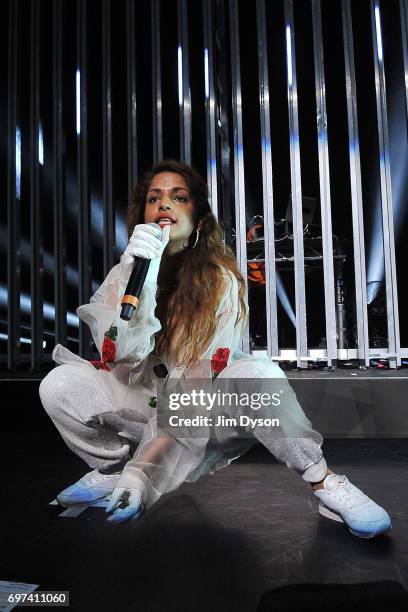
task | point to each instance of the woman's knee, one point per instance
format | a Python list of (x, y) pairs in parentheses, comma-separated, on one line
[(253, 368), (63, 381)]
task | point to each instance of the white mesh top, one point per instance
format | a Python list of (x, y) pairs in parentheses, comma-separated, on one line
[(126, 351), (161, 463)]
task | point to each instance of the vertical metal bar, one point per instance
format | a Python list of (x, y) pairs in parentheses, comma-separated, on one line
[(184, 82), (386, 193), (210, 102), (156, 83), (221, 91), (404, 38), (296, 188), (239, 178), (360, 278), (131, 96), (84, 259), (60, 300), (324, 180), (108, 213), (13, 197), (36, 270), (268, 208)]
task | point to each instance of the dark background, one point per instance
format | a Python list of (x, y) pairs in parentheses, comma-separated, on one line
[(337, 134)]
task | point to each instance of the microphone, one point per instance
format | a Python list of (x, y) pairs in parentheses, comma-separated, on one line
[(130, 300)]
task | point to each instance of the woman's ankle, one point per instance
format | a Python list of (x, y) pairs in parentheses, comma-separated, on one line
[(319, 485), (108, 471)]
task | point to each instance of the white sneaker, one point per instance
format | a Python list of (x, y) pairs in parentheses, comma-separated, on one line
[(88, 489), (342, 501)]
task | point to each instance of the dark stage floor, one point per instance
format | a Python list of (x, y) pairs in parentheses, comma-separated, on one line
[(217, 544)]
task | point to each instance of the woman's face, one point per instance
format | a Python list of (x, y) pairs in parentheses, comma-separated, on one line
[(168, 195)]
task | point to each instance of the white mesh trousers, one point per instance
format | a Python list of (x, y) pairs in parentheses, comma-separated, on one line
[(294, 442), (107, 424), (99, 418)]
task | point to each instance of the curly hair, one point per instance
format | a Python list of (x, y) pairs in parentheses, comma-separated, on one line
[(192, 306)]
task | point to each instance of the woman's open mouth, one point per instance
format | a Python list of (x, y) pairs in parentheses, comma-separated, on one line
[(165, 221)]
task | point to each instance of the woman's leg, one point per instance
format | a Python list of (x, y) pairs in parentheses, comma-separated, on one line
[(81, 406), (292, 440)]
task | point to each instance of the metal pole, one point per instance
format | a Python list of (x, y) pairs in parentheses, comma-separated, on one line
[(13, 196), (60, 298), (360, 278), (268, 208), (296, 187), (239, 178), (131, 96), (107, 174), (386, 192), (210, 105), (84, 255), (36, 270), (156, 84), (324, 180), (184, 82)]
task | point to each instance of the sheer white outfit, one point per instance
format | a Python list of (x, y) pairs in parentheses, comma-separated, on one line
[(106, 419)]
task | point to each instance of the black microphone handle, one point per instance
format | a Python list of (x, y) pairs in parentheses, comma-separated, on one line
[(130, 300)]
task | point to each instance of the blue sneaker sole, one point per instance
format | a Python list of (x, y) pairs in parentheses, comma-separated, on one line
[(67, 503), (335, 516)]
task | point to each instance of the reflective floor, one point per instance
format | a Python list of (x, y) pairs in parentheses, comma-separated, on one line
[(221, 543)]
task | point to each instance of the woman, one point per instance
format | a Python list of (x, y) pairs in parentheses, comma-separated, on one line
[(189, 321)]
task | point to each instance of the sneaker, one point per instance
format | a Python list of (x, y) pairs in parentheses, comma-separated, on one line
[(88, 489), (342, 501)]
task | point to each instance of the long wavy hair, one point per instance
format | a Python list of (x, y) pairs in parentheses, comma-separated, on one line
[(190, 316)]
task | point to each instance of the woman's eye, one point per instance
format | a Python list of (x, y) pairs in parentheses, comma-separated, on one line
[(154, 198)]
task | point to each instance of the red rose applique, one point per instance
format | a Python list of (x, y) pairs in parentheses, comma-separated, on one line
[(99, 365), (108, 350), (219, 361)]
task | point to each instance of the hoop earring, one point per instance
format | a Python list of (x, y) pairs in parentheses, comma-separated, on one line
[(198, 234)]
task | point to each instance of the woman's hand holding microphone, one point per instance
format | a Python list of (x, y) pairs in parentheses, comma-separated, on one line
[(147, 241)]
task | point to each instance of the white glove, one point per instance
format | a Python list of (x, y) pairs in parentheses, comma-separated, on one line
[(148, 242), (132, 499)]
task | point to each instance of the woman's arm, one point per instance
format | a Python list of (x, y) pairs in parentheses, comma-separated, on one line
[(163, 462), (133, 339), (227, 334)]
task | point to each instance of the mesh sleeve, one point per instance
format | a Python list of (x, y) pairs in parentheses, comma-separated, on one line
[(163, 462), (134, 339)]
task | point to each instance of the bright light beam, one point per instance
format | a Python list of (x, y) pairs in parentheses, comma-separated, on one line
[(78, 102)]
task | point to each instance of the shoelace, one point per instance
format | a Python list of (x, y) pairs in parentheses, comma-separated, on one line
[(352, 496)]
